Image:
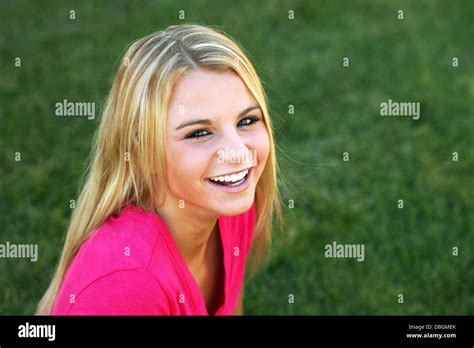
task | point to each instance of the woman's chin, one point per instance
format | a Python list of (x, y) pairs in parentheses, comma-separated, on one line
[(234, 208)]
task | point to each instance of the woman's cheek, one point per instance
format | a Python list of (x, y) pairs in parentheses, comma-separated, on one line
[(180, 167), (261, 143), (191, 161)]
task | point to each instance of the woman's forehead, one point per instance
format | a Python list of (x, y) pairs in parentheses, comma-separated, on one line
[(209, 93)]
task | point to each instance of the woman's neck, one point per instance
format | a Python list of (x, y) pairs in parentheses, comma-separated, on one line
[(191, 231)]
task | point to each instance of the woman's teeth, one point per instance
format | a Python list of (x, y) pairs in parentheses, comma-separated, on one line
[(230, 179)]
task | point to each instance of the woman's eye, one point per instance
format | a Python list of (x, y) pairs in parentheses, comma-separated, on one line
[(198, 134), (248, 121)]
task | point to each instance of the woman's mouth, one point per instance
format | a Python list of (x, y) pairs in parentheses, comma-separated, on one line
[(235, 182)]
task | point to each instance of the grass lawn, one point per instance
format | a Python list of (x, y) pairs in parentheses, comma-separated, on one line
[(408, 251)]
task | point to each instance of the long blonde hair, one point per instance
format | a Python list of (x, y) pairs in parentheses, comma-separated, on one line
[(133, 125)]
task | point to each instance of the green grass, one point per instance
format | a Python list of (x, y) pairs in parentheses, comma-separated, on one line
[(336, 110)]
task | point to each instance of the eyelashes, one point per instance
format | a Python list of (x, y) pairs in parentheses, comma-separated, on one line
[(198, 134), (245, 122), (248, 121)]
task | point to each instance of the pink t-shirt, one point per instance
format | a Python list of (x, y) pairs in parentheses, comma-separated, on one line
[(131, 266)]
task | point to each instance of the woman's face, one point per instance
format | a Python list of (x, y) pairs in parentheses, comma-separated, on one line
[(217, 142)]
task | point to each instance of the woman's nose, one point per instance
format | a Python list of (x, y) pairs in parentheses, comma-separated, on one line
[(233, 149)]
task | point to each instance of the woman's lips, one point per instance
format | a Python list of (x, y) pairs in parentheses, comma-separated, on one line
[(233, 187)]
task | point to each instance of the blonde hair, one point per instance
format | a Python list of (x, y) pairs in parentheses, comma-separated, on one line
[(133, 124)]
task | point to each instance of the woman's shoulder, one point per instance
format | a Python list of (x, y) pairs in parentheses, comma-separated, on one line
[(117, 251), (123, 241), (113, 259)]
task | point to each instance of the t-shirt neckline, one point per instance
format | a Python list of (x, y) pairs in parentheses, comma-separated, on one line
[(192, 284)]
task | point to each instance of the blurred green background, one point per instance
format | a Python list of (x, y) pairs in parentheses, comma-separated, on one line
[(336, 109)]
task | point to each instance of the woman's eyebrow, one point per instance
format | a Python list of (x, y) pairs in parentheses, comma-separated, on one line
[(206, 121)]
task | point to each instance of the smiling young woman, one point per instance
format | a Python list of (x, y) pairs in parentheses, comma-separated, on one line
[(183, 183)]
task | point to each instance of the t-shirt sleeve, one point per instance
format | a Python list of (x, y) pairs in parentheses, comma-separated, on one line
[(123, 292)]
